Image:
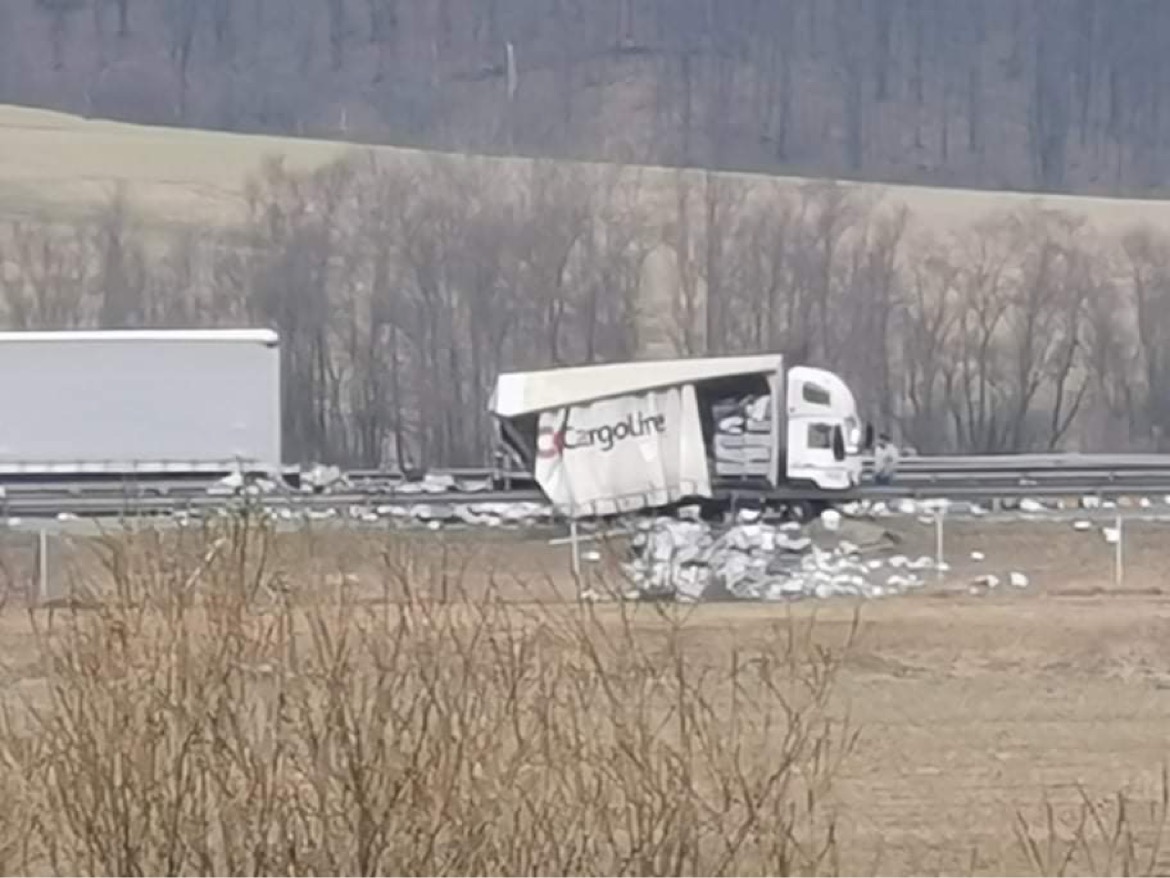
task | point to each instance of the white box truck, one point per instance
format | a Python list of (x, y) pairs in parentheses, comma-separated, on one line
[(617, 437), (144, 402)]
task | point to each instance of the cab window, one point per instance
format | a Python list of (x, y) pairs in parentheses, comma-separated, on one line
[(815, 394), (820, 436)]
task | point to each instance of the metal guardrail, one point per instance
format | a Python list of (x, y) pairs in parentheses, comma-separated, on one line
[(39, 506), (991, 478)]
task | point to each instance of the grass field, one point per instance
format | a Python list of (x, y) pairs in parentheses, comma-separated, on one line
[(375, 688), (59, 165)]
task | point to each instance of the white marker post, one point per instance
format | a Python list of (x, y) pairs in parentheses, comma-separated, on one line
[(42, 567), (574, 548), (575, 553), (938, 544), (1118, 556)]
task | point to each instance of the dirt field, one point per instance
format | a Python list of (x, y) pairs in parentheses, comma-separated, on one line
[(972, 709)]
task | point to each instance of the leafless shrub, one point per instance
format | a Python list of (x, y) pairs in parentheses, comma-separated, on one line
[(193, 727), (1115, 835)]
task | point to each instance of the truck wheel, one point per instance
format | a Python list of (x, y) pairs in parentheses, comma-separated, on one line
[(804, 511)]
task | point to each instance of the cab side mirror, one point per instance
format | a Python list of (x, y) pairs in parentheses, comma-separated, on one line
[(868, 446), (838, 443)]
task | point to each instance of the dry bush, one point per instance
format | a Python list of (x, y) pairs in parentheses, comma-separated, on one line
[(208, 716), (1118, 835)]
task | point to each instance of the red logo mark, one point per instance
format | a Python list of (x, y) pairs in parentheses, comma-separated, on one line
[(550, 443)]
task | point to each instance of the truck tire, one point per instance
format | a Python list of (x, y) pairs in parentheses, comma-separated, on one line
[(805, 511)]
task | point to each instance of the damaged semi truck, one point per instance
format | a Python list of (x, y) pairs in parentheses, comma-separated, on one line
[(622, 437)]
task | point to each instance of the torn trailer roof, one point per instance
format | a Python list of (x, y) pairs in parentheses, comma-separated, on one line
[(525, 393)]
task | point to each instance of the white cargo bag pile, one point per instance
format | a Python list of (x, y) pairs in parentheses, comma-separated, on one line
[(743, 436), (690, 560)]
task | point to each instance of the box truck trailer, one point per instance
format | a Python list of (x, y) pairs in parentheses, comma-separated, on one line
[(141, 402), (621, 437)]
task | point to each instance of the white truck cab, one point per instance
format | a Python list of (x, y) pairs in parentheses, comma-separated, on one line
[(825, 438)]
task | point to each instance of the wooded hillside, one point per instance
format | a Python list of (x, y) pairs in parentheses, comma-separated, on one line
[(1035, 94)]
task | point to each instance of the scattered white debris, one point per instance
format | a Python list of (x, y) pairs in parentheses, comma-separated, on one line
[(831, 519), (438, 483), (1017, 579), (977, 555), (229, 484), (475, 486), (259, 486), (1030, 505), (1111, 534), (988, 580), (1082, 524), (907, 506), (431, 483), (322, 476), (691, 560)]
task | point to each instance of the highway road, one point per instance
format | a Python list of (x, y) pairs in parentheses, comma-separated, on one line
[(998, 478)]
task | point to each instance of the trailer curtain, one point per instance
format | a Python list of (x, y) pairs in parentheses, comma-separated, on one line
[(623, 454)]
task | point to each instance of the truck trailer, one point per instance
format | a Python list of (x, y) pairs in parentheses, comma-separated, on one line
[(141, 403), (621, 437)]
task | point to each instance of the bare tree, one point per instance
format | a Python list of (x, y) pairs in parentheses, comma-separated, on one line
[(1050, 120), (930, 318), (558, 218), (384, 33), (1149, 296), (59, 12), (973, 374), (121, 276), (123, 18), (294, 229), (757, 316), (45, 276), (223, 25), (184, 22), (338, 30)]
